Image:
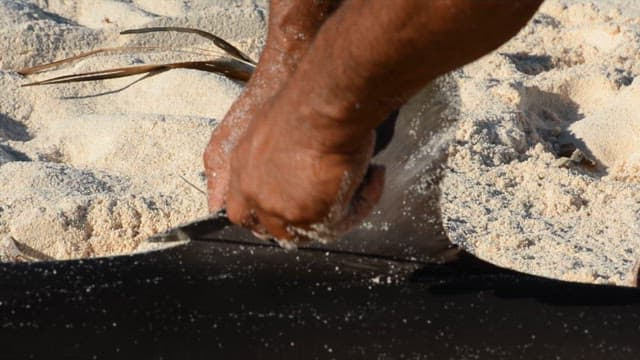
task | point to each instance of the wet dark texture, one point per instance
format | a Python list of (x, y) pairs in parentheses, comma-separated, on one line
[(209, 300)]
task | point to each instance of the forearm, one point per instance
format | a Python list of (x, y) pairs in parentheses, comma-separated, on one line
[(293, 24), (372, 55), (291, 29)]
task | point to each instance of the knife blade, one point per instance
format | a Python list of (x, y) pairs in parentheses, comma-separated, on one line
[(205, 227)]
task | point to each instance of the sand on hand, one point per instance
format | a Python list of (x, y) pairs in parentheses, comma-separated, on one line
[(92, 169)]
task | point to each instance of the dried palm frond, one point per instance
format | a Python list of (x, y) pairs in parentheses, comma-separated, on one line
[(125, 49), (239, 67), (217, 41), (39, 68)]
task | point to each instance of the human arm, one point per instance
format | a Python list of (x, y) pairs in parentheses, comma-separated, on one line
[(303, 159), (291, 29)]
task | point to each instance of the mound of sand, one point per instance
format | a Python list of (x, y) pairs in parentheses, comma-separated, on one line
[(91, 169), (544, 174)]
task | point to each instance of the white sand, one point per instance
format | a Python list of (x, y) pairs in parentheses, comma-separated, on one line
[(514, 194), (85, 175)]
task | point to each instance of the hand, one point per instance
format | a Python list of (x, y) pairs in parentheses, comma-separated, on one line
[(223, 140), (285, 183), (267, 80), (292, 26)]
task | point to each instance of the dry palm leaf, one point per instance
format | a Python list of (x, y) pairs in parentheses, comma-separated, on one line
[(217, 41), (126, 49), (239, 67)]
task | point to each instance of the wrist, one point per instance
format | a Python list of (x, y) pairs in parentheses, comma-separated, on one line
[(339, 114), (323, 127), (292, 27)]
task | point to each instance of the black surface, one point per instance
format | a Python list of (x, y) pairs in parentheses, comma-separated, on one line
[(385, 132), (223, 300)]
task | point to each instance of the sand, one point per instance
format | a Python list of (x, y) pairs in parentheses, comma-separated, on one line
[(544, 172), (92, 169)]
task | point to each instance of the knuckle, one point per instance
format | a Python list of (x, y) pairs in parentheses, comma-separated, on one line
[(233, 213), (236, 209), (247, 190), (277, 229), (306, 213)]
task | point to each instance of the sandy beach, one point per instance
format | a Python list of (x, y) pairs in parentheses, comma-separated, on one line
[(543, 173), (93, 168), (543, 170)]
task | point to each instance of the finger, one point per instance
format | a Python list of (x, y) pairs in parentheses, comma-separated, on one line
[(217, 188), (365, 198), (216, 163), (275, 226), (240, 212), (288, 236)]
